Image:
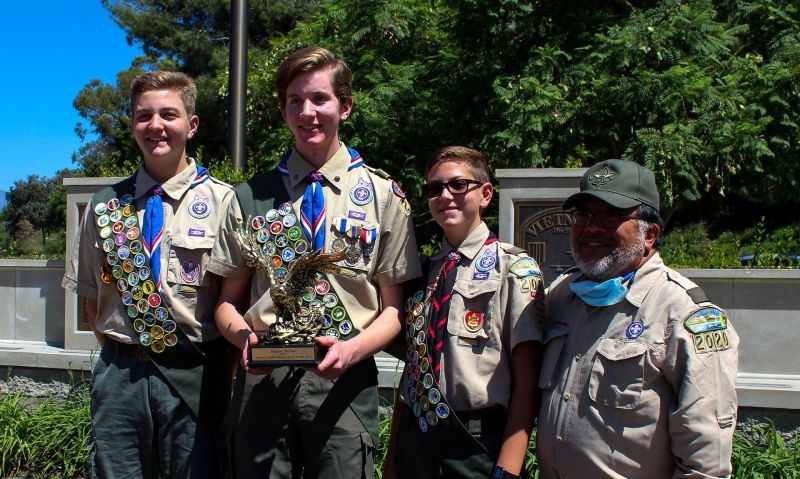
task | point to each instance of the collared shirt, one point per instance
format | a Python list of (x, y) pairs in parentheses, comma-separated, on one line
[(188, 292), (642, 400), (393, 259), (492, 310)]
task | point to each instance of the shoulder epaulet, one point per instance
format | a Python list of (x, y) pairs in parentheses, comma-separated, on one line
[(379, 172), (219, 182), (511, 249), (695, 292)]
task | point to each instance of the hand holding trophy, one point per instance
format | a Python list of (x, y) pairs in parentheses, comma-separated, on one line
[(290, 340)]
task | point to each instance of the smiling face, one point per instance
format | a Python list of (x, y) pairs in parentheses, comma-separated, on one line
[(457, 214), (162, 127), (313, 113), (604, 253)]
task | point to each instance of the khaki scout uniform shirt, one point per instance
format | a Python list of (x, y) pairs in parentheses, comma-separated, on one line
[(476, 364), (649, 407), (186, 242), (394, 258)]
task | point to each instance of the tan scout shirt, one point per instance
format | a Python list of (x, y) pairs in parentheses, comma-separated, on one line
[(476, 362), (652, 406), (394, 259), (186, 242)]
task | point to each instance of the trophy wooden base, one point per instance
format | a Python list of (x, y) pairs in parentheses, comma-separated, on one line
[(276, 355)]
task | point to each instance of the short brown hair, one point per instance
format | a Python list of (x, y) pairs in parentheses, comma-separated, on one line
[(307, 60), (472, 159), (180, 83)]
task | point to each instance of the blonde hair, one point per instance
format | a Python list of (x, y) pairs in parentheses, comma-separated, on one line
[(180, 83)]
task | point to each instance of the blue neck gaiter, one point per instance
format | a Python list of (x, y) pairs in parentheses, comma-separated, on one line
[(606, 293)]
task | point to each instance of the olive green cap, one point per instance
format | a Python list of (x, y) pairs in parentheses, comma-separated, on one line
[(620, 183)]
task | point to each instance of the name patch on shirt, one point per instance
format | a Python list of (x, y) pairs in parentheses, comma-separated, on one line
[(196, 232), (480, 275)]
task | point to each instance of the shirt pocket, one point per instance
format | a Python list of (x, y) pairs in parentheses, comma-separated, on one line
[(360, 250), (617, 373), (471, 306), (553, 345), (188, 259)]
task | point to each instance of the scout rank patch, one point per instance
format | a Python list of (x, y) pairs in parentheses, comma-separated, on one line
[(126, 262), (427, 403), (708, 326), (283, 240)]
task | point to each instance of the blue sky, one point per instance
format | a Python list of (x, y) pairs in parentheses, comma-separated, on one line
[(50, 50)]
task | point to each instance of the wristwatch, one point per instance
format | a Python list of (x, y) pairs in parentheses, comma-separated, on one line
[(500, 473)]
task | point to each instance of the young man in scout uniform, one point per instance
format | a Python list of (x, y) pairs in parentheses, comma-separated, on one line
[(161, 383), (639, 368), (319, 422), (467, 398)]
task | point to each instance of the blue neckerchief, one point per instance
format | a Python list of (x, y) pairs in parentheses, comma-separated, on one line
[(606, 293)]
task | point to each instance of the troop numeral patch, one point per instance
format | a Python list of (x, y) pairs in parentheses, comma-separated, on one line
[(711, 341)]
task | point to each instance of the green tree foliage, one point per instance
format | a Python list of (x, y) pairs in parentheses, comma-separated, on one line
[(189, 36), (703, 92)]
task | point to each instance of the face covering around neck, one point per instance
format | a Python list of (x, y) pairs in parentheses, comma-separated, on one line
[(606, 293)]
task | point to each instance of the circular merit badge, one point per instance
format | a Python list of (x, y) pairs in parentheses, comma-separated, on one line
[(113, 204), (148, 287), (258, 222), (294, 233), (285, 209), (139, 326), (118, 227), (126, 199), (120, 239), (276, 227), (103, 221), (301, 246), (149, 319), (130, 222), (170, 340), (338, 313), (115, 216), (161, 313), (105, 232), (271, 216), (154, 300), (289, 220), (100, 209), (128, 210), (281, 240)]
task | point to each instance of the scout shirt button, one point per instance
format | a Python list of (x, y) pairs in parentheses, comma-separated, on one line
[(559, 439), (578, 357), (567, 396)]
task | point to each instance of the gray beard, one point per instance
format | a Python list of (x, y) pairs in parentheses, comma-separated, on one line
[(612, 265)]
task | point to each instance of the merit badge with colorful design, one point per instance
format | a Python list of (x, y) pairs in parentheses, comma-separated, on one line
[(362, 193), (706, 319), (525, 267), (200, 207)]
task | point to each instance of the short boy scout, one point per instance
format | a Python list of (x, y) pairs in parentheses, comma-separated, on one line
[(639, 369), (467, 396), (321, 423), (161, 383)]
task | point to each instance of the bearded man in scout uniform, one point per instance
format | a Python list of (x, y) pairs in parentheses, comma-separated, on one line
[(639, 369), (467, 398), (320, 422), (161, 383)]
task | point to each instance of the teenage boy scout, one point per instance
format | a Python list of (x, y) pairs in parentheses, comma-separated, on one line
[(161, 383), (320, 422), (639, 367), (468, 394)]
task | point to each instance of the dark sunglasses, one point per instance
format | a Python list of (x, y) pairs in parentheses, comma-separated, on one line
[(458, 186)]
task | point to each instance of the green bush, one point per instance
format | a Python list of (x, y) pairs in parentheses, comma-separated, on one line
[(691, 246)]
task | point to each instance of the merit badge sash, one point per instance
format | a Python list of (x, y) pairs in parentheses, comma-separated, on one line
[(283, 239), (126, 263), (427, 402)]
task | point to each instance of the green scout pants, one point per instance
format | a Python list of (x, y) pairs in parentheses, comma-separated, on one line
[(142, 428), (292, 423), (463, 446)]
